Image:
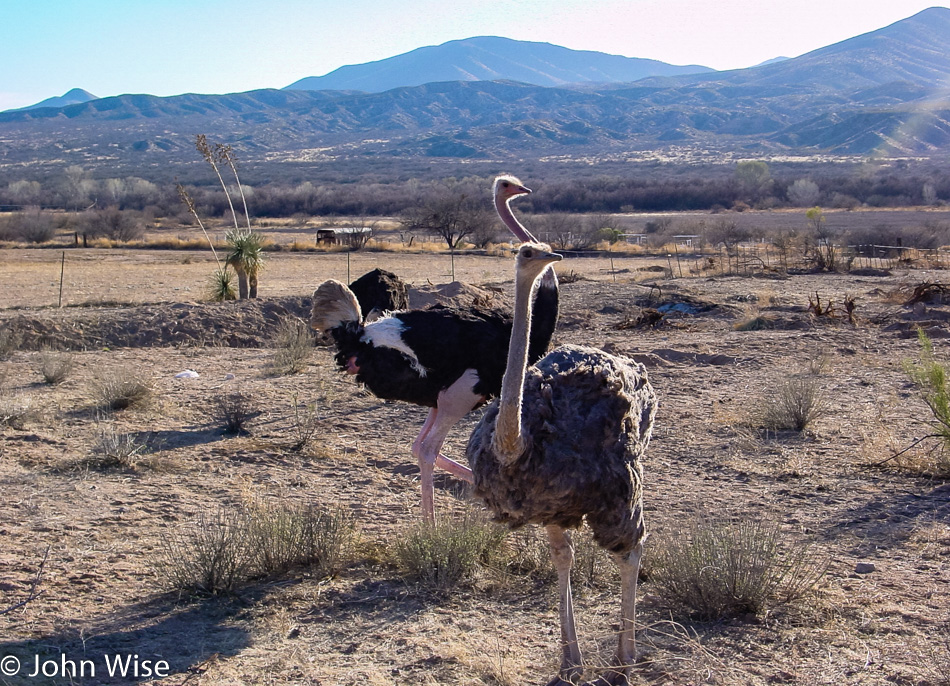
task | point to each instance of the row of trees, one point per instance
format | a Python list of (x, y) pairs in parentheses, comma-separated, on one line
[(747, 184)]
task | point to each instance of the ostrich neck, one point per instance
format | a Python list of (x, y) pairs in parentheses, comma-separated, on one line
[(508, 217), (508, 441), (549, 278)]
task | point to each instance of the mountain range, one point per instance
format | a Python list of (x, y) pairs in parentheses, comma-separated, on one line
[(883, 92), (490, 58)]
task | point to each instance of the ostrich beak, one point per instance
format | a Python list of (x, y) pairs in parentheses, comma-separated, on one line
[(553, 257), (521, 190)]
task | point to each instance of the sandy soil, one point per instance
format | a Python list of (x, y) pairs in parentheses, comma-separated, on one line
[(103, 528)]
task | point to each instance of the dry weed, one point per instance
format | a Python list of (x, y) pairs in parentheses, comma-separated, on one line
[(444, 555), (122, 388), (54, 366), (713, 568), (294, 343)]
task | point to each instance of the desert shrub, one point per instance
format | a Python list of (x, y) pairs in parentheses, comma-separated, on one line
[(15, 408), (210, 557), (713, 569), (113, 223), (294, 344), (443, 555), (795, 403), (284, 537), (121, 389), (930, 378), (55, 367), (114, 449), (233, 410), (32, 226), (223, 550)]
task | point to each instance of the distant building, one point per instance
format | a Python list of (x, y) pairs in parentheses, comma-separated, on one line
[(635, 238), (342, 235)]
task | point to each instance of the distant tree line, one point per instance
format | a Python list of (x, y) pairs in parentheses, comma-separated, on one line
[(641, 188)]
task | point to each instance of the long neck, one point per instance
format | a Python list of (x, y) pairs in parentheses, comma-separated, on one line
[(508, 217), (502, 207), (508, 440)]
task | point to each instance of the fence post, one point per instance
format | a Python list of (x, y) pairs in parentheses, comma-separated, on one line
[(62, 272)]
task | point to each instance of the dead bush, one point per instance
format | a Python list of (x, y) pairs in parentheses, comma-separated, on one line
[(294, 343), (121, 389), (233, 410)]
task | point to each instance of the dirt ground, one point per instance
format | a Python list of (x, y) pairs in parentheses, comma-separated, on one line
[(102, 529)]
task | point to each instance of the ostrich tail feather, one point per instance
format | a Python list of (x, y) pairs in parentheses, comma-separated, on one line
[(333, 304)]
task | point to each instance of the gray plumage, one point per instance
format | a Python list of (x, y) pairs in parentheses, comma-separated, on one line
[(562, 445), (586, 418)]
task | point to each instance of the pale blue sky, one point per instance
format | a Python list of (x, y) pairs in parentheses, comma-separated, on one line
[(168, 47)]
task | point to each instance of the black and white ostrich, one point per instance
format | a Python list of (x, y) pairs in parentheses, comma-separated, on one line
[(562, 445), (448, 359)]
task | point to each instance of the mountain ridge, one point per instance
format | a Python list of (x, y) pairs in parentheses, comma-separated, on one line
[(491, 58), (900, 109)]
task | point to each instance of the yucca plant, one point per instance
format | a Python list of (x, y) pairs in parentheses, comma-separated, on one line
[(246, 257), (221, 285)]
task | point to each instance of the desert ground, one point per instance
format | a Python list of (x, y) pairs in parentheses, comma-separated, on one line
[(80, 541)]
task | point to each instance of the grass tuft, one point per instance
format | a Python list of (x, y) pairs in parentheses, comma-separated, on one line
[(121, 389), (715, 569), (447, 554), (55, 367)]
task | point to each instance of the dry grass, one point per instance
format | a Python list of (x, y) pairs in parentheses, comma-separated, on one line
[(122, 388), (447, 554), (54, 366), (712, 569), (294, 344)]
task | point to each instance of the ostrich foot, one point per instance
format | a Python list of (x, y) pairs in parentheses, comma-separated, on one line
[(570, 680), (616, 676)]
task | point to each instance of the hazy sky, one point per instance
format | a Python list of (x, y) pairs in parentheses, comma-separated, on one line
[(168, 47)]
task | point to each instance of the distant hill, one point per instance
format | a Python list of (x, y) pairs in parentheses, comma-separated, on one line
[(71, 97), (916, 49), (489, 58), (882, 93)]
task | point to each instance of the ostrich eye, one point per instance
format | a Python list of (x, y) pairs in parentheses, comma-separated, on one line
[(505, 184), (529, 254)]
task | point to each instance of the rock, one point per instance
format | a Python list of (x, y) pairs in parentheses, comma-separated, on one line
[(187, 374), (864, 568)]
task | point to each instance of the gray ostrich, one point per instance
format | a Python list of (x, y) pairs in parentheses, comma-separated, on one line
[(562, 445)]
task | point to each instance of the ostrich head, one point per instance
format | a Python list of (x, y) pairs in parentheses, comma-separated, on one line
[(508, 187), (532, 259)]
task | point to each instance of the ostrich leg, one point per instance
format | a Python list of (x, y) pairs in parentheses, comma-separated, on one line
[(562, 553), (629, 565), (454, 402)]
